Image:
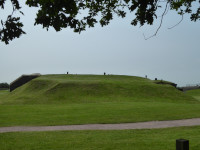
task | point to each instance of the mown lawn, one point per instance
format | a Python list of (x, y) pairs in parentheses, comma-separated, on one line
[(194, 93), (90, 113), (156, 139), (90, 99)]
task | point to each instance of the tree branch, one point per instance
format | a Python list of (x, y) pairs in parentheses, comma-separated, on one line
[(163, 14), (177, 23)]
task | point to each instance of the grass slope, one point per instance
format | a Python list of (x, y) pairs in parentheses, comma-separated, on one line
[(157, 139), (92, 88), (88, 99), (194, 93)]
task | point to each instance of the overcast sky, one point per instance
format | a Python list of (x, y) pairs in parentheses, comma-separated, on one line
[(119, 48)]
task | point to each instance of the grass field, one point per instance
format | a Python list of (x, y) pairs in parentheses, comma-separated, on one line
[(156, 139), (85, 99), (13, 115), (88, 99), (194, 93)]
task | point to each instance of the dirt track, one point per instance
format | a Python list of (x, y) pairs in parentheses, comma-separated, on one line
[(122, 126)]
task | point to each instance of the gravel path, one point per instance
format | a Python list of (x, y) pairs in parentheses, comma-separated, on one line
[(122, 126)]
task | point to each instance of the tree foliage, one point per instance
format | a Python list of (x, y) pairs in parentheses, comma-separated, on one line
[(12, 27), (61, 14), (4, 86)]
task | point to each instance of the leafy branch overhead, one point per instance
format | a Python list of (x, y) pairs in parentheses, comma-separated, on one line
[(12, 27), (80, 14)]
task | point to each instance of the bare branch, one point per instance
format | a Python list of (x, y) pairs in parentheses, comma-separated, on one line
[(166, 6), (177, 23)]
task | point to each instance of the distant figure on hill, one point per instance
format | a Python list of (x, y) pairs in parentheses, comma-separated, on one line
[(104, 73), (156, 79), (67, 72)]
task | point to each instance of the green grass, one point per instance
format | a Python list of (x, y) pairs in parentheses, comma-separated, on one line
[(4, 92), (156, 139), (194, 93), (90, 113), (62, 89), (89, 99)]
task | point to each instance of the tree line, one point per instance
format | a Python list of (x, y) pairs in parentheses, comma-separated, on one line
[(4, 86)]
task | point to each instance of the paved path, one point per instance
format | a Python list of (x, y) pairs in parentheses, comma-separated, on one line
[(122, 126)]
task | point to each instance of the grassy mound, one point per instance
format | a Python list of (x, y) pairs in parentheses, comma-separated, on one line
[(93, 88), (90, 99)]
